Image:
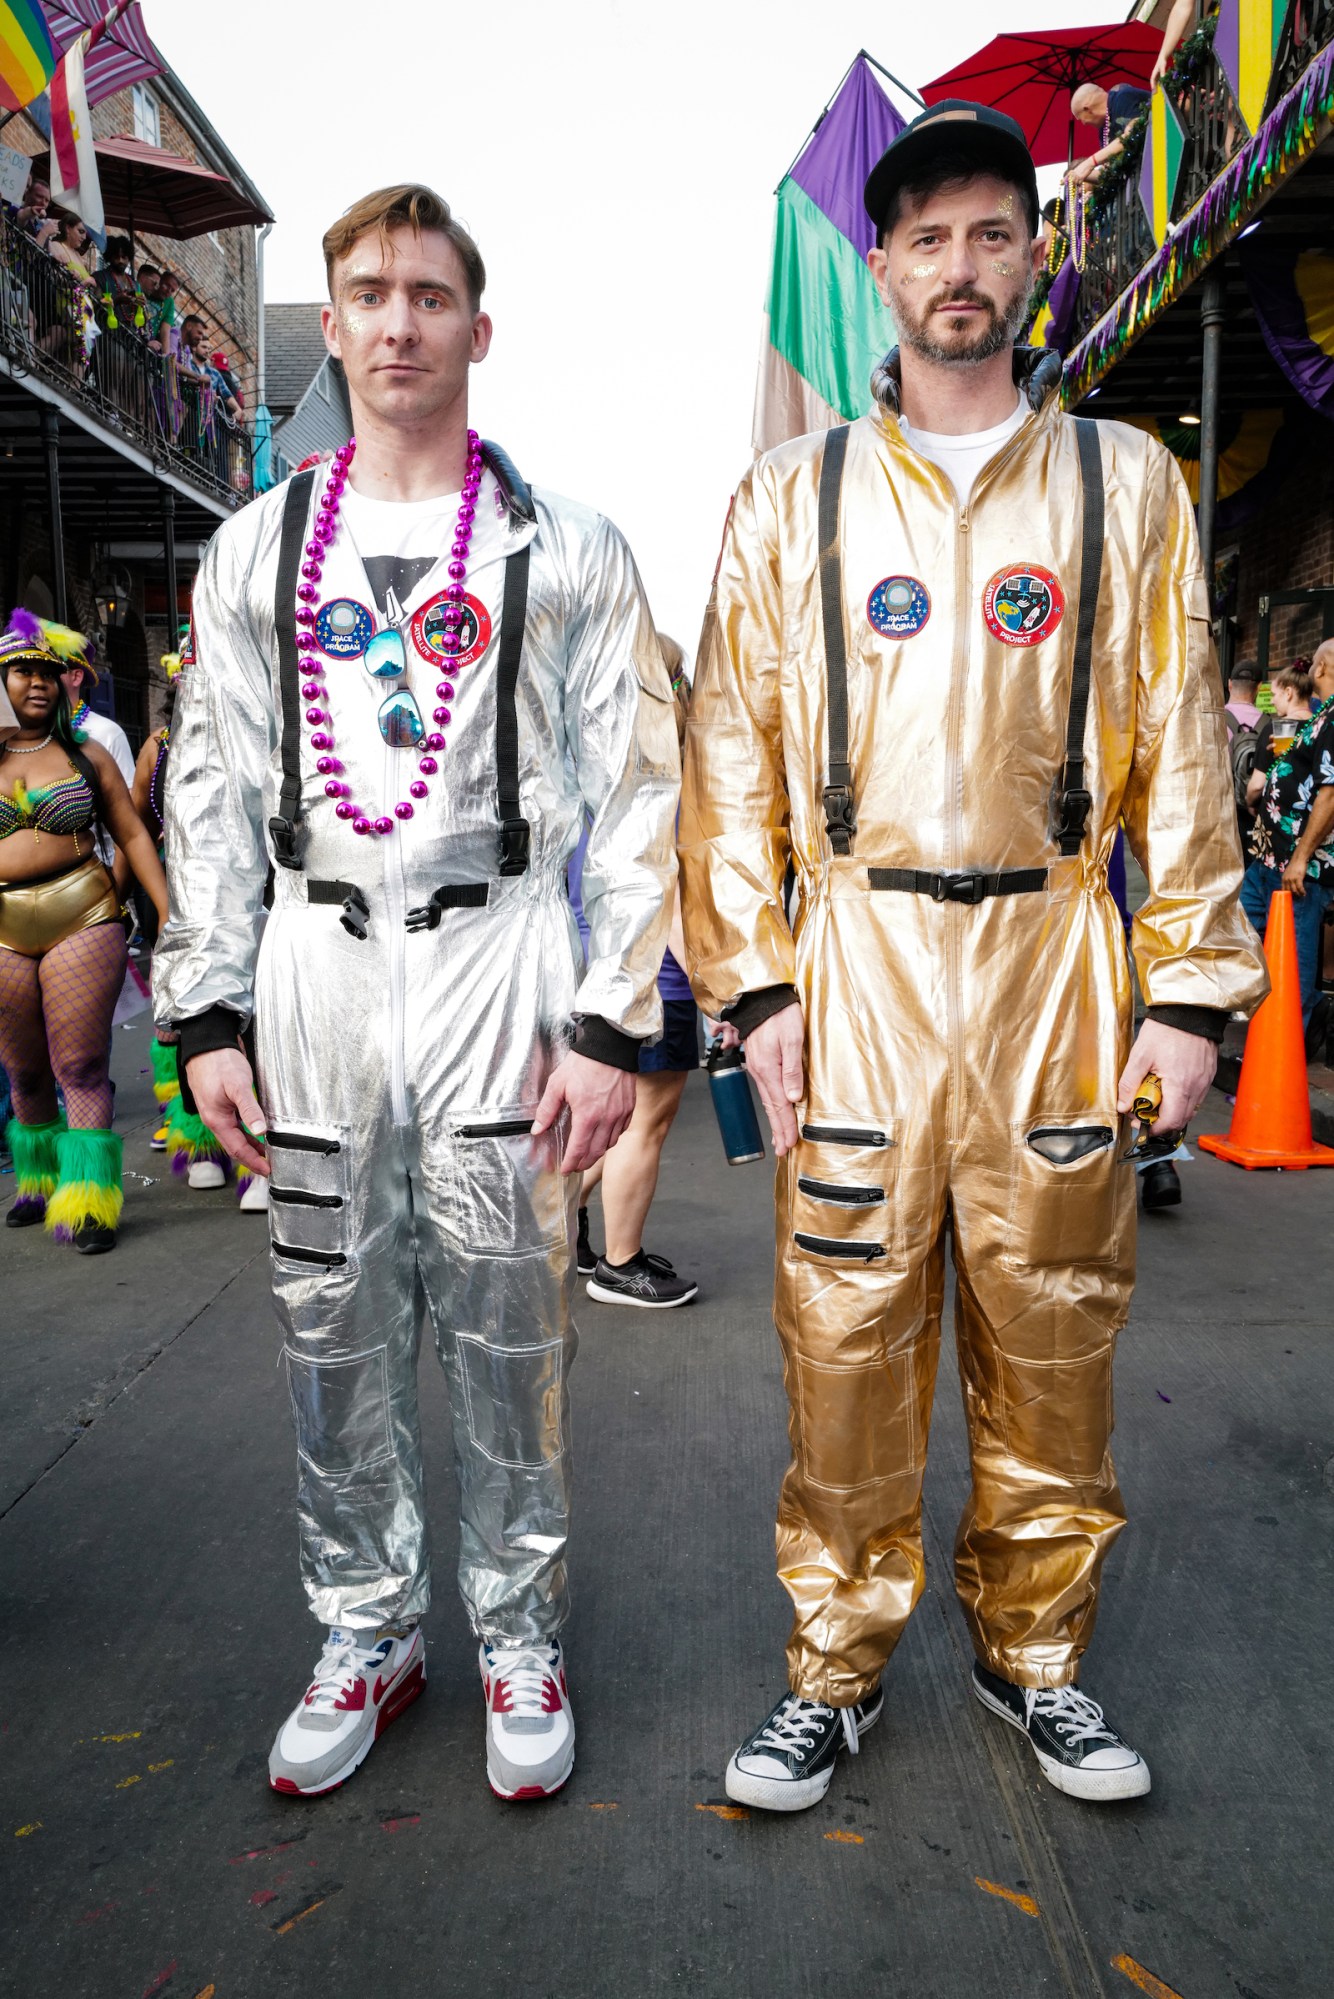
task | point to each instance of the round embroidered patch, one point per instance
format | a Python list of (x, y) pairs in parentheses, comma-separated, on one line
[(899, 606), (428, 630), (1023, 605), (343, 628)]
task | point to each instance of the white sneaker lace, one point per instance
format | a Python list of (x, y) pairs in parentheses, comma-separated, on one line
[(524, 1673), (1072, 1714), (794, 1728), (337, 1670)]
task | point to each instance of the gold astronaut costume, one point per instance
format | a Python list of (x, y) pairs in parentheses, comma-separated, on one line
[(961, 1056)]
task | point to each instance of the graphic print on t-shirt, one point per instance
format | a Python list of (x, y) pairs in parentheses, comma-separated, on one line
[(399, 573)]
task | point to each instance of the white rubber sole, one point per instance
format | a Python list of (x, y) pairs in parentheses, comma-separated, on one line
[(786, 1794), (413, 1686), (1095, 1787), (606, 1297), (513, 1793)]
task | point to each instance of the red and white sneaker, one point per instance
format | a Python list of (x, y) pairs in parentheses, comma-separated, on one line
[(361, 1684), (529, 1726)]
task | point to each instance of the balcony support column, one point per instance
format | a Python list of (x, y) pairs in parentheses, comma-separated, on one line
[(1213, 308), (169, 562), (51, 448)]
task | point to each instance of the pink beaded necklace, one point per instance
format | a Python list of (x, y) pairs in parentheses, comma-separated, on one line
[(308, 609)]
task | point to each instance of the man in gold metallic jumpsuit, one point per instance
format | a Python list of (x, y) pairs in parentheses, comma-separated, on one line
[(890, 699)]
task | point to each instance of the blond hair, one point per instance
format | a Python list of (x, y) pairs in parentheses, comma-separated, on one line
[(409, 206)]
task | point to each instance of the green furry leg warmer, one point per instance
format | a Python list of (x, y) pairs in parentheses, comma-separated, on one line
[(189, 1140), (89, 1189), (35, 1170), (166, 1081)]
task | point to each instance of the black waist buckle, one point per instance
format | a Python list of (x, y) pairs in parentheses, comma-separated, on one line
[(970, 885), (283, 835), (454, 895), (515, 844)]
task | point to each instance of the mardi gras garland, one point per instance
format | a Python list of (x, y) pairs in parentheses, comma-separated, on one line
[(1292, 131)]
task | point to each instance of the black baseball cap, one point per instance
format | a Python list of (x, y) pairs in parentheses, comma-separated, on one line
[(955, 125)]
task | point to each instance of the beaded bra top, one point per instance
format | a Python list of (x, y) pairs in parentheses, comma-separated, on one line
[(66, 807)]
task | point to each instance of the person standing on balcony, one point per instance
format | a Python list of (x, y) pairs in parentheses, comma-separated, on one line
[(432, 1062), (949, 647), (1113, 109)]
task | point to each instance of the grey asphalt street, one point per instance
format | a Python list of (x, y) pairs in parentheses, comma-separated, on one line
[(153, 1634)]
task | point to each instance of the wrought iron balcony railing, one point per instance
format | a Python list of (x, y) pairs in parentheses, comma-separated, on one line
[(1116, 241), (55, 327)]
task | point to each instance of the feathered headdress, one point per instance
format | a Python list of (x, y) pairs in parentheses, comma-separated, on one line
[(39, 638)]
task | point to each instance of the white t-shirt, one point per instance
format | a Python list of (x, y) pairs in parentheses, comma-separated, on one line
[(962, 458), (401, 542)]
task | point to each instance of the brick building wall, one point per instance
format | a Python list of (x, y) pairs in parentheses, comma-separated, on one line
[(218, 273), (1288, 545)]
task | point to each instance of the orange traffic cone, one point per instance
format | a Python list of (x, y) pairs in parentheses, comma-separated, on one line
[(1271, 1124)]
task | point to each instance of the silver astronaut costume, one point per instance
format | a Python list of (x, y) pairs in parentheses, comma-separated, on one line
[(399, 1072)]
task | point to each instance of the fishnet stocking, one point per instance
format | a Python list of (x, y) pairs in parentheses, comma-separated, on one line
[(55, 1025)]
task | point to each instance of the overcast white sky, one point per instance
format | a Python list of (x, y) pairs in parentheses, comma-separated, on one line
[(616, 163)]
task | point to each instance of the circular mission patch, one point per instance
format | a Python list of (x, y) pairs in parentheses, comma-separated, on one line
[(428, 630), (1023, 605), (899, 606), (343, 628)]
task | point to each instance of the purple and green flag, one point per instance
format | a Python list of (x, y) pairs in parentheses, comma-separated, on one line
[(825, 328)]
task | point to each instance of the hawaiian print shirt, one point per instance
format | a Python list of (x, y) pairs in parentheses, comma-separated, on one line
[(1289, 793)]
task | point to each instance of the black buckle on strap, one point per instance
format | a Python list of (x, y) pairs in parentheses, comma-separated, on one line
[(1075, 807), (515, 841), (283, 835), (840, 816), (356, 913), (970, 886), (425, 917)]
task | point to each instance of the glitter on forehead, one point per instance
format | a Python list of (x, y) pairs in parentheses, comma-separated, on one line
[(1005, 206)]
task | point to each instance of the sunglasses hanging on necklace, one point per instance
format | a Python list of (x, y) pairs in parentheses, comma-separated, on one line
[(399, 717)]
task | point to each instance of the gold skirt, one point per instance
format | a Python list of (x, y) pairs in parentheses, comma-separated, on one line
[(34, 916)]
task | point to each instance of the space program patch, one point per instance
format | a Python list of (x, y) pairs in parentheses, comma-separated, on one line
[(1023, 605), (899, 606)]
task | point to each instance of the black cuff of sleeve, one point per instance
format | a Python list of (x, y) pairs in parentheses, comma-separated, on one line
[(601, 1042), (218, 1028), (746, 1013), (1209, 1022)]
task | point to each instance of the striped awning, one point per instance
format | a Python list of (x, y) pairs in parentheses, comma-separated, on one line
[(121, 55)]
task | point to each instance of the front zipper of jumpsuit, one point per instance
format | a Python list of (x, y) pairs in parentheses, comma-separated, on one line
[(954, 913), (395, 900)]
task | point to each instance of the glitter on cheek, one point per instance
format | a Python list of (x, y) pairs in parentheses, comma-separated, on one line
[(920, 271), (1004, 270)]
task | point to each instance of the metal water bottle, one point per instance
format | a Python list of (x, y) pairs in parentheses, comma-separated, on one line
[(729, 1086)]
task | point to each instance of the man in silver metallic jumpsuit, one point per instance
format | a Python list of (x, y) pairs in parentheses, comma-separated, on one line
[(435, 1065)]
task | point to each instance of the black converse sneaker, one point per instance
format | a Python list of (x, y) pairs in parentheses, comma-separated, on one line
[(645, 1280), (586, 1257), (786, 1765), (1075, 1748)]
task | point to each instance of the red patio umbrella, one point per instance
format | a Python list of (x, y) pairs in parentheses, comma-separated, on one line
[(145, 188), (1030, 78)]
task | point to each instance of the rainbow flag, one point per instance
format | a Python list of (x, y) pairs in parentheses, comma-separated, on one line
[(27, 54), (825, 328)]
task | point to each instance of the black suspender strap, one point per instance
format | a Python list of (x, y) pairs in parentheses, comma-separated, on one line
[(283, 824), (840, 810), (514, 828), (1073, 802)]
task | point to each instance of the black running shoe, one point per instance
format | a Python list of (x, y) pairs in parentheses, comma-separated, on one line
[(1075, 1748), (645, 1280), (786, 1765), (1160, 1186), (94, 1239), (586, 1257)]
